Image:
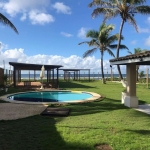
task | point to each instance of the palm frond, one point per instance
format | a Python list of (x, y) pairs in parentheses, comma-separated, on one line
[(7, 22), (136, 2), (92, 34), (129, 52), (110, 52), (144, 10), (114, 46), (114, 38), (132, 21), (93, 42), (89, 52), (99, 2), (85, 42), (123, 47), (99, 11)]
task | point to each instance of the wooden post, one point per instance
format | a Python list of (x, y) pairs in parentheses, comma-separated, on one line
[(107, 74), (29, 75), (147, 75), (111, 74), (84, 75), (93, 75)]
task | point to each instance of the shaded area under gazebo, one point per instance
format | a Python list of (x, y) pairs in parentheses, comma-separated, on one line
[(18, 67), (76, 75), (129, 98)]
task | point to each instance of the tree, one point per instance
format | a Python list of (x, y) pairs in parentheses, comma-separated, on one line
[(103, 41), (136, 51), (141, 74), (126, 9), (7, 22)]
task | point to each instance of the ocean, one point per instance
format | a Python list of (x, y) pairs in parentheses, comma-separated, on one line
[(61, 76)]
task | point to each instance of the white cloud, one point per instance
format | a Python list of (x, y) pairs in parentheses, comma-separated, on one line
[(82, 33), (147, 41), (143, 30), (134, 42), (73, 61), (40, 18), (66, 34), (24, 16), (148, 20), (28, 9), (61, 8)]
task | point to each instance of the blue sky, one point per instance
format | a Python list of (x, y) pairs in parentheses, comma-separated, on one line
[(50, 30)]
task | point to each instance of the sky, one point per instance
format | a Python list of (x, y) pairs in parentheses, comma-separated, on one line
[(50, 31)]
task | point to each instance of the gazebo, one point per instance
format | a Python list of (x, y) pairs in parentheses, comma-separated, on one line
[(18, 67), (76, 73), (130, 99)]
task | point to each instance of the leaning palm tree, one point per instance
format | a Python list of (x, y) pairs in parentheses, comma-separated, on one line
[(7, 22), (103, 41), (126, 9), (136, 51)]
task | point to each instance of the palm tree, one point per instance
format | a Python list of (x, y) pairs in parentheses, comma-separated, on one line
[(7, 22), (103, 41), (141, 74), (126, 9), (136, 51)]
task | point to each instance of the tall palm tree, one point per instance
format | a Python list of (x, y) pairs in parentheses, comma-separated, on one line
[(126, 9), (7, 22), (136, 51), (103, 41)]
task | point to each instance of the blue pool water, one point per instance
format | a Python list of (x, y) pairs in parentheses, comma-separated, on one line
[(50, 96)]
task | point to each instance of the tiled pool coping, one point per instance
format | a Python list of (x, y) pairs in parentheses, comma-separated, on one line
[(94, 97)]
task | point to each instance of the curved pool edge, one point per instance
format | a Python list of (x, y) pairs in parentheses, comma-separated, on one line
[(94, 97)]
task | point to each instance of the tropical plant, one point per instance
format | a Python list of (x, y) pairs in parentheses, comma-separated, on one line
[(141, 75), (103, 41), (7, 22), (5, 77), (126, 9), (136, 51)]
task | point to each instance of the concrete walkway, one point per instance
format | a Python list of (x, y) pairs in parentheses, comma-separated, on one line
[(144, 108), (10, 111)]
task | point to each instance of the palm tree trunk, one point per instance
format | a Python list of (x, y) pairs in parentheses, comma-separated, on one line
[(102, 70), (118, 46), (137, 74)]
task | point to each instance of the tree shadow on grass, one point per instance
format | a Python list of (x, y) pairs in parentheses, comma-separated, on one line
[(34, 133), (73, 85), (96, 107), (143, 132)]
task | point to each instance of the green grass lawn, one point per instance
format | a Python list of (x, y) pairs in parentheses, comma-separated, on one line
[(99, 122)]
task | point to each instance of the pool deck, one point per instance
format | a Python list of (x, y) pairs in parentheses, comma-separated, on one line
[(11, 111)]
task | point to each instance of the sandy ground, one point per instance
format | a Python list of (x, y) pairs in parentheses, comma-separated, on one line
[(10, 111)]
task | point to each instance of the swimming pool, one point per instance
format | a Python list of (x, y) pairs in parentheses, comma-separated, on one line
[(47, 97)]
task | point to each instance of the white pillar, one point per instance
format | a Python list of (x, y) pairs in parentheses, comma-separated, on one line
[(130, 98)]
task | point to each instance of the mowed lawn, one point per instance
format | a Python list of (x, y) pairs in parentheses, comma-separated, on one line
[(89, 124)]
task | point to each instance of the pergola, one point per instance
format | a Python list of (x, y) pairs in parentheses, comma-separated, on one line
[(130, 99), (18, 67), (76, 73)]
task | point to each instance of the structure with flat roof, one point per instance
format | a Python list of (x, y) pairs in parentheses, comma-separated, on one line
[(18, 67), (75, 73), (129, 99)]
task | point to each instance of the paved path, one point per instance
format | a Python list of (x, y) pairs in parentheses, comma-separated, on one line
[(144, 108), (10, 111)]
